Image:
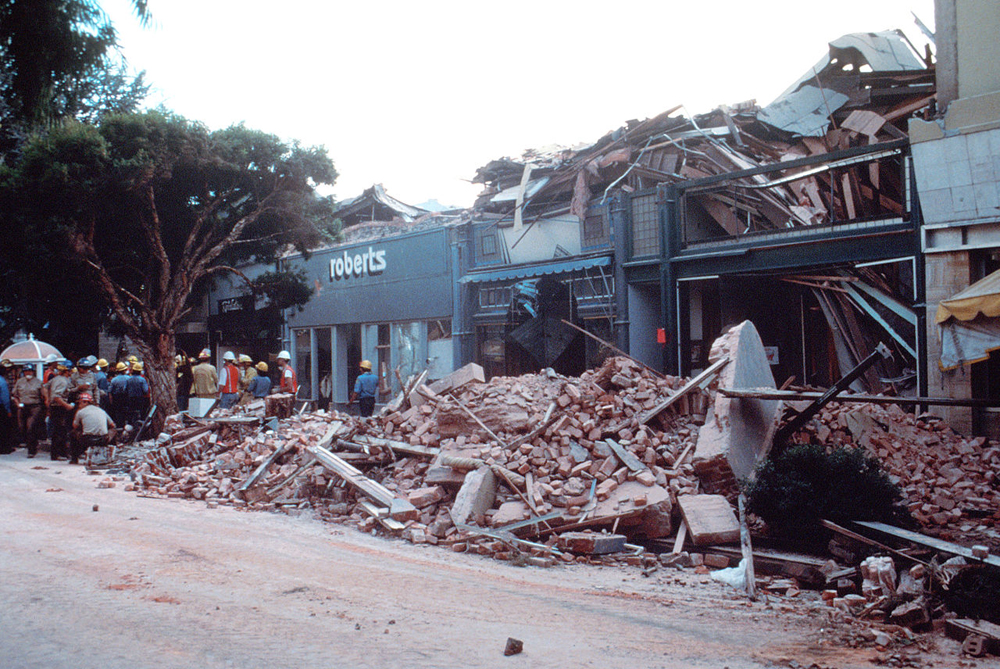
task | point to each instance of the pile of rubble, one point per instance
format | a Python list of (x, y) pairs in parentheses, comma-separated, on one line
[(950, 483), (544, 468), (540, 451)]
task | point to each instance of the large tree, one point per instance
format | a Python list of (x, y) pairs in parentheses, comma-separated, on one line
[(60, 58), (149, 206)]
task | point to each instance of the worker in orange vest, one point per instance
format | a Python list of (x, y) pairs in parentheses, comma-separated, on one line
[(229, 380), (289, 382)]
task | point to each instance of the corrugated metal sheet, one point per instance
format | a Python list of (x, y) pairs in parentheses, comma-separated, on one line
[(805, 112)]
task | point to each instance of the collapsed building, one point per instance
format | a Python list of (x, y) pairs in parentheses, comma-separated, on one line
[(800, 216)]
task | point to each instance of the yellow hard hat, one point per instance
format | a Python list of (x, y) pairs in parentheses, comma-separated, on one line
[(132, 358), (121, 367), (136, 366), (366, 364), (102, 363), (262, 366), (245, 358)]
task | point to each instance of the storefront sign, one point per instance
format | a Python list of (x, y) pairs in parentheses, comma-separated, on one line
[(233, 304), (371, 262)]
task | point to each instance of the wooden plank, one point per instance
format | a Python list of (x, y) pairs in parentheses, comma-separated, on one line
[(400, 508), (747, 549), (399, 446), (959, 628), (381, 515), (261, 470), (627, 459), (680, 458), (867, 541), (708, 373), (529, 492), (710, 519), (682, 533), (928, 542), (796, 396)]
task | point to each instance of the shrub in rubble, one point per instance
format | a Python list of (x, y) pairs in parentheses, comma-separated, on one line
[(794, 489)]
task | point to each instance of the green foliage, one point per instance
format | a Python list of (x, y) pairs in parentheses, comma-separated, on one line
[(59, 59), (158, 203), (794, 489), (284, 288)]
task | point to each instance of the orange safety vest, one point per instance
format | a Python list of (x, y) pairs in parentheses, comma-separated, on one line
[(232, 379), (289, 384)]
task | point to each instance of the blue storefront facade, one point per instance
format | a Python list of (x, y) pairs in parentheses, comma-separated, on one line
[(388, 300)]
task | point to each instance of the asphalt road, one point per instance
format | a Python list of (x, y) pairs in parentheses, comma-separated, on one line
[(170, 583)]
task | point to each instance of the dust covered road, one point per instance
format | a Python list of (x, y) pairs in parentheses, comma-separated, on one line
[(169, 583)]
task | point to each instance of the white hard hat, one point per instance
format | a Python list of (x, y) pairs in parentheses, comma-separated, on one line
[(50, 358), (229, 355), (284, 355)]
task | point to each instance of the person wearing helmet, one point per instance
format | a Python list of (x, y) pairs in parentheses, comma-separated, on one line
[(137, 389), (289, 382), (6, 411), (84, 379), (229, 381), (30, 407), (205, 380), (101, 379), (118, 394), (51, 360), (60, 409), (260, 385), (247, 374), (92, 428), (365, 388), (182, 367)]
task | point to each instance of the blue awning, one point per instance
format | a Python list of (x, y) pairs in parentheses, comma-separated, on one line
[(536, 270)]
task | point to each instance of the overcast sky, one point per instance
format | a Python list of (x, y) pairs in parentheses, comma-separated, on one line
[(418, 95)]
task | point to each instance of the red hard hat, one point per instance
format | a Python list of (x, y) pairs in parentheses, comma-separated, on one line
[(85, 397)]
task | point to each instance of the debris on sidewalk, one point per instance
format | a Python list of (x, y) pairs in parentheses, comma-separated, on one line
[(608, 467)]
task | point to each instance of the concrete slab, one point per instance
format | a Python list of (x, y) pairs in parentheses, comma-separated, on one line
[(739, 430)]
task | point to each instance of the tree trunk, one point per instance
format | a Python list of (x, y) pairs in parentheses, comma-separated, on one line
[(158, 361)]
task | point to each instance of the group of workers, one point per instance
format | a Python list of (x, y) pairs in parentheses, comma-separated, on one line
[(82, 405), (238, 381), (69, 396)]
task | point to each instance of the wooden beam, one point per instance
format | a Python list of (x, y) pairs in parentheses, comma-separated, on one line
[(399, 508), (928, 542), (810, 395), (708, 373)]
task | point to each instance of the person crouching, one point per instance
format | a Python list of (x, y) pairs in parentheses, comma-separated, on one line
[(92, 427)]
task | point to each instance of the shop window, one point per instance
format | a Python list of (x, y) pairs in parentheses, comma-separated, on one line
[(303, 362), (383, 353), (409, 359), (440, 354), (645, 226)]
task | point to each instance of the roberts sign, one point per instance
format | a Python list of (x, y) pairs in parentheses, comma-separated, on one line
[(345, 266)]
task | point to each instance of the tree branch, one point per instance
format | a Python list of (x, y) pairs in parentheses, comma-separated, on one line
[(152, 230)]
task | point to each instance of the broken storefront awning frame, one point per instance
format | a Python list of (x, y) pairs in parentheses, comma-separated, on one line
[(536, 270)]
